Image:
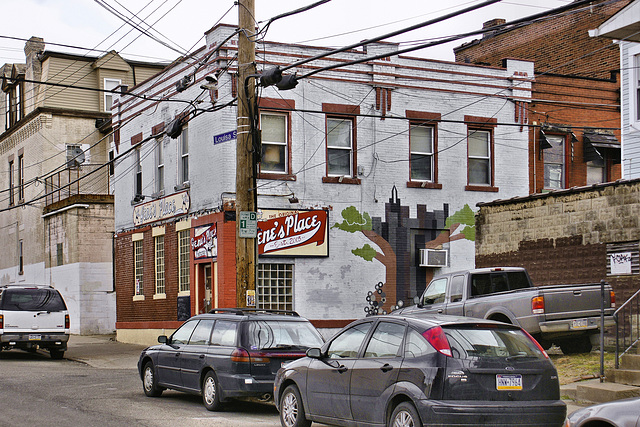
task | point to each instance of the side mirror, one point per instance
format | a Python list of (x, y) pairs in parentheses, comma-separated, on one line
[(416, 300), (162, 339), (314, 353)]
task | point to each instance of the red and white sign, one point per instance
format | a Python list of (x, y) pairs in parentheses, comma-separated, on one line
[(293, 233), (205, 242)]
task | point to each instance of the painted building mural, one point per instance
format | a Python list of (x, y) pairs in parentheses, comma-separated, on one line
[(399, 239)]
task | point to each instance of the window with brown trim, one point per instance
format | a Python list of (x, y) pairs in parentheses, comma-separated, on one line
[(423, 149), (21, 177), (275, 127), (554, 163), (11, 189), (480, 154), (341, 143)]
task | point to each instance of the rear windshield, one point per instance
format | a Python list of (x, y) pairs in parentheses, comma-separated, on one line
[(31, 299), (490, 283), (490, 342), (272, 334)]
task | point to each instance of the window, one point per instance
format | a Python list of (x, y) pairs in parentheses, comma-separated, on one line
[(159, 246), (59, 254), (159, 167), (112, 166), (7, 110), (386, 340), (636, 73), (434, 294), (182, 335), (21, 177), (224, 333), (479, 157), (109, 84), (18, 97), (183, 156), (184, 246), (275, 145), (75, 155), (138, 267), (340, 159), (457, 287), (416, 345), (348, 343), (596, 172), (14, 108), (11, 195), (20, 257), (202, 333), (137, 172), (275, 286), (554, 166), (421, 147)]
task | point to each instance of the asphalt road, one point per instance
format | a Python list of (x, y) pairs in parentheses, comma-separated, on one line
[(35, 390)]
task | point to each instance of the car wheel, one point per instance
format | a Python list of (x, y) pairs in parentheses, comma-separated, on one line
[(150, 382), (405, 415), (291, 409), (56, 354), (576, 345), (211, 392)]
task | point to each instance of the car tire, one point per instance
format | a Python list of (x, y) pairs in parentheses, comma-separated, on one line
[(211, 392), (56, 354), (405, 415), (576, 345), (291, 409), (150, 381)]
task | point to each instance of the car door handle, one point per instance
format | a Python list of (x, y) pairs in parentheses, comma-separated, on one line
[(202, 356), (439, 311), (177, 354), (341, 369), (386, 367)]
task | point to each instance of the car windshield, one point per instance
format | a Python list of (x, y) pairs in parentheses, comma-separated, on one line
[(32, 299), (490, 342), (274, 334)]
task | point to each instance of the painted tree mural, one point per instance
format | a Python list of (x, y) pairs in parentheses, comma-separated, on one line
[(397, 241)]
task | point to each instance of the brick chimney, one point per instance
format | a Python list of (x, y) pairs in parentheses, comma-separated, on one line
[(32, 49), (492, 23)]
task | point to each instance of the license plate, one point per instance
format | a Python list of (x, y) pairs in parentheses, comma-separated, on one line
[(509, 382), (35, 337), (579, 323)]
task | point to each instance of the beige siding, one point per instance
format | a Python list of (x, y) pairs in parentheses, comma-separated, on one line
[(144, 73), (70, 72)]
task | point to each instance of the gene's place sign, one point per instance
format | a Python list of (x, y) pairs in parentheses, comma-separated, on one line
[(162, 208), (293, 233)]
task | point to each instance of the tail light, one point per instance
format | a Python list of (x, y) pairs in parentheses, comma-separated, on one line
[(438, 340), (613, 299), (240, 355), (537, 305), (67, 321), (536, 343), (1, 321)]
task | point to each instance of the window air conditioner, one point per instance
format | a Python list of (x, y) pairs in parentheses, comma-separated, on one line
[(434, 258)]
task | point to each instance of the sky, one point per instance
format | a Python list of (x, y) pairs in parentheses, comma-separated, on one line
[(182, 23)]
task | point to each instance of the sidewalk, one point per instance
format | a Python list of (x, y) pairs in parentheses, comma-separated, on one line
[(103, 351)]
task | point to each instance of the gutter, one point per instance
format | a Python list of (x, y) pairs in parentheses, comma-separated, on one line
[(66, 208)]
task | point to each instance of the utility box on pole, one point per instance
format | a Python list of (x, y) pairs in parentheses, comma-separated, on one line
[(246, 192)]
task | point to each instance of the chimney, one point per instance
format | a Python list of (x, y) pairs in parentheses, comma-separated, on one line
[(32, 49), (492, 23)]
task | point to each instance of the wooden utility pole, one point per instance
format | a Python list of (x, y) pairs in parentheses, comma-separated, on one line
[(246, 192)]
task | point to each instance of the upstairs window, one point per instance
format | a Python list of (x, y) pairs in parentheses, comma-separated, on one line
[(421, 146), (479, 157), (109, 85), (340, 146), (275, 143), (14, 108), (183, 157), (554, 163), (159, 167), (21, 177), (11, 179)]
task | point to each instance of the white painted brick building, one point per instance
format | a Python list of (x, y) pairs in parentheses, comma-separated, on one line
[(424, 141)]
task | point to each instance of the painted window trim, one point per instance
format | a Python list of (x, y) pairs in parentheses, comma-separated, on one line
[(423, 118), (634, 79), (487, 124), (565, 174), (342, 112)]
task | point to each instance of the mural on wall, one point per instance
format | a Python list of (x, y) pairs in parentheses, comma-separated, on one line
[(399, 239)]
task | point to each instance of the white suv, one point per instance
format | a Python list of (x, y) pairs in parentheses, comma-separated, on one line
[(33, 317)]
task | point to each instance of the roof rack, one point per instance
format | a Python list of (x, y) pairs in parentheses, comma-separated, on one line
[(243, 311)]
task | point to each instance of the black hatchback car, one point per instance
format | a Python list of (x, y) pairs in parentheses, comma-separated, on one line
[(430, 370), (226, 353)]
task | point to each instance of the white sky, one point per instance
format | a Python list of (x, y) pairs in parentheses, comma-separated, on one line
[(87, 24)]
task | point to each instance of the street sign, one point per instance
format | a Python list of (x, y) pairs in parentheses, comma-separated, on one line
[(248, 225)]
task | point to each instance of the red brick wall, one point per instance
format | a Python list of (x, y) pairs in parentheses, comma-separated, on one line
[(557, 45), (579, 103)]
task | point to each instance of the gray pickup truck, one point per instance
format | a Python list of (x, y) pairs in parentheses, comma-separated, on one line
[(565, 315)]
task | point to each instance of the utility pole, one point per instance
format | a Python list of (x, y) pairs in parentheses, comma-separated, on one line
[(246, 192)]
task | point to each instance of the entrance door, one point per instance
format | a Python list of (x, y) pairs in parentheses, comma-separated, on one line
[(207, 287)]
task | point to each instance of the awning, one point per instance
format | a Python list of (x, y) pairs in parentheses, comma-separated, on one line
[(544, 144), (601, 146)]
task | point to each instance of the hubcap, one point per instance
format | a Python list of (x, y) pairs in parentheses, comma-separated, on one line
[(290, 409), (148, 378), (403, 419), (209, 390)]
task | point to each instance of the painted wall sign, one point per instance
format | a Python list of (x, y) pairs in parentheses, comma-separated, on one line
[(224, 137), (204, 244), (621, 263), (161, 209), (293, 233)]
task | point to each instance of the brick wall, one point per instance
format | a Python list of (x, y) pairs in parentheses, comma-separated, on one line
[(561, 237), (557, 45)]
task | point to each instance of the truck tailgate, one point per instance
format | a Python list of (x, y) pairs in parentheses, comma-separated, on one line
[(573, 301), (41, 321)]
